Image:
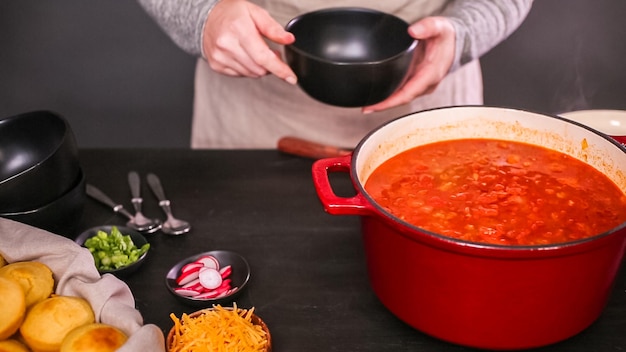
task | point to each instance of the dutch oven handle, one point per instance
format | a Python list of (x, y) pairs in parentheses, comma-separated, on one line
[(333, 204)]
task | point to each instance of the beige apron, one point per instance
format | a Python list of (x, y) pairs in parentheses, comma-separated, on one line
[(236, 112)]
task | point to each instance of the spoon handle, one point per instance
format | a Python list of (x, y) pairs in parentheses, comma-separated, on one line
[(98, 195), (157, 189), (309, 149), (155, 186), (134, 183), (135, 189)]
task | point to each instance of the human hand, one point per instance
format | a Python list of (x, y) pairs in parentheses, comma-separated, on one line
[(233, 41), (433, 59)]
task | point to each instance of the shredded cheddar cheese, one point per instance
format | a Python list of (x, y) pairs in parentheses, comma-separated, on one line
[(218, 330)]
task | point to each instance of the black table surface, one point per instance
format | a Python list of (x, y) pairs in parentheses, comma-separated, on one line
[(309, 281)]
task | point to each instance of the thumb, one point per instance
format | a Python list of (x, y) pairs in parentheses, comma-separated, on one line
[(426, 28), (269, 28)]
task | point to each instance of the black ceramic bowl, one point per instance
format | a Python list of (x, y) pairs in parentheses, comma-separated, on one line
[(38, 160), (239, 277), (349, 57), (138, 239), (60, 216)]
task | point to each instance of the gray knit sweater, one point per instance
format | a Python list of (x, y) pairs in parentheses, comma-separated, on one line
[(480, 24)]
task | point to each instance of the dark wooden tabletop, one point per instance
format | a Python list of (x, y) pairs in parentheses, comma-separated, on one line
[(308, 281)]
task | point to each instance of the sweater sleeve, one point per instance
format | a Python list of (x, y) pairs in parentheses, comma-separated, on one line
[(482, 24), (182, 20)]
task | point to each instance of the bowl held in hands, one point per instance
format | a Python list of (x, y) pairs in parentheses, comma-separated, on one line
[(350, 57)]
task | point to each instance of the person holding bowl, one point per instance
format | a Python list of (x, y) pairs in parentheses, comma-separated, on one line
[(245, 94)]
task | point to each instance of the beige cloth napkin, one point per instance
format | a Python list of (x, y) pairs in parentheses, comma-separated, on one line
[(75, 275)]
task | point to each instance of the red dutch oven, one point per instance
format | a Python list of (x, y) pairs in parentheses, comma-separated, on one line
[(473, 294)]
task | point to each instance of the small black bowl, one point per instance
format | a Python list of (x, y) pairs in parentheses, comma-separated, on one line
[(61, 216), (138, 239), (350, 56), (39, 157), (240, 276)]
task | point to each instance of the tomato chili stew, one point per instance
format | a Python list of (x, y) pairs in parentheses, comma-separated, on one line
[(497, 192)]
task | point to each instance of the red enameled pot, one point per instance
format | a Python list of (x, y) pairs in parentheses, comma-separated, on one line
[(472, 294)]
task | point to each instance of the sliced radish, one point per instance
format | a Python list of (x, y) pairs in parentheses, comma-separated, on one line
[(210, 278), (225, 271), (194, 285), (209, 261), (207, 295), (191, 266), (187, 277), (186, 292), (204, 279), (223, 294), (222, 289), (224, 284)]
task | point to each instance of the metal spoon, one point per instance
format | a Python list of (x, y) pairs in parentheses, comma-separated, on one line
[(171, 226), (98, 195), (135, 190)]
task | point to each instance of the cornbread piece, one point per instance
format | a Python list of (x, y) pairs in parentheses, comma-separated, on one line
[(13, 345), (35, 278), (12, 307), (48, 322), (94, 337)]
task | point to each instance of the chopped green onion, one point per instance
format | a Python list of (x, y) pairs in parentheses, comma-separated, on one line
[(115, 250)]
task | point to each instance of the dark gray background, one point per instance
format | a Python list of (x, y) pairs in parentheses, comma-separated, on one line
[(108, 68)]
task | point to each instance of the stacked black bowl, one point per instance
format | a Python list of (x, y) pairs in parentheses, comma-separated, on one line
[(41, 181)]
